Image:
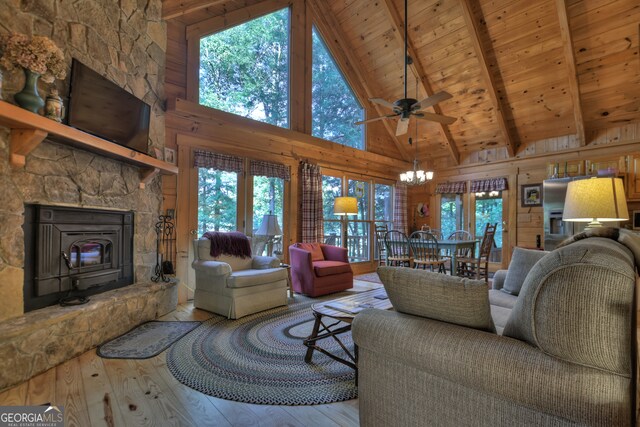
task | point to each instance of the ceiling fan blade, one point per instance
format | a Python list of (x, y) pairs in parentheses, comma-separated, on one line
[(383, 102), (431, 100), (374, 119), (403, 126), (445, 120)]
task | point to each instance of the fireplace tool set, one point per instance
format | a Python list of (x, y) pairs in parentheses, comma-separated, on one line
[(165, 249)]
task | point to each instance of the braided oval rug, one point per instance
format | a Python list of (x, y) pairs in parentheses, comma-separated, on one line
[(260, 359)]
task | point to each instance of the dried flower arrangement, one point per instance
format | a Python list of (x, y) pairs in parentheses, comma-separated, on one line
[(38, 54)]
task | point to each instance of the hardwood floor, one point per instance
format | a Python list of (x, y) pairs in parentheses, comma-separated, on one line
[(120, 392)]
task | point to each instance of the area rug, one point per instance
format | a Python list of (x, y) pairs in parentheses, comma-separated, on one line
[(260, 359), (368, 277), (146, 340)]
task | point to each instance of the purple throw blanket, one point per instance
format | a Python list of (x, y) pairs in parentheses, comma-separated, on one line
[(232, 243)]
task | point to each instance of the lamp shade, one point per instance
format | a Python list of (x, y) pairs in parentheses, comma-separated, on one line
[(345, 206), (594, 200), (269, 226)]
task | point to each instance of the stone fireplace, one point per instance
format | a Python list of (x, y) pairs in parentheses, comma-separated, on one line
[(124, 41), (72, 253)]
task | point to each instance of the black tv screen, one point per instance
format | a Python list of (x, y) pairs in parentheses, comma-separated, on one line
[(102, 108)]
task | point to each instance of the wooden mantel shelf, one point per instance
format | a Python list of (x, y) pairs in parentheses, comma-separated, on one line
[(28, 130)]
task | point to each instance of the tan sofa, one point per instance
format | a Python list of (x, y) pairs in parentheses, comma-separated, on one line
[(234, 286), (565, 356)]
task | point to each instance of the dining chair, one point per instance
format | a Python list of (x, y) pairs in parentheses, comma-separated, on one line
[(435, 233), (478, 267), (380, 231), (424, 247), (397, 244)]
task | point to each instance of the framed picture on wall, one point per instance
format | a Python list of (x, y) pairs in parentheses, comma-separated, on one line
[(170, 155), (635, 218), (531, 195)]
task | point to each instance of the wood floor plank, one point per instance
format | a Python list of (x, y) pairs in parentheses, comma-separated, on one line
[(237, 413), (99, 392), (310, 416), (134, 406), (15, 396), (271, 415), (144, 393), (70, 393), (41, 389), (344, 413), (157, 390), (199, 407)]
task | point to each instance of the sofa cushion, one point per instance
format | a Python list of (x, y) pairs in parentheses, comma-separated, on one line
[(246, 278), (314, 248), (521, 262), (437, 296), (329, 268), (573, 305), (501, 299)]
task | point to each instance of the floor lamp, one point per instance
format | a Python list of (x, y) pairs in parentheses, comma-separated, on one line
[(343, 206), (595, 200)]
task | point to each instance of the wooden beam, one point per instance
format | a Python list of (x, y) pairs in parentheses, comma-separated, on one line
[(489, 80), (176, 8), (569, 57), (236, 17), (352, 67), (416, 67)]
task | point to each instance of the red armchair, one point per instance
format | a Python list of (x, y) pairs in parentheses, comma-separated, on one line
[(319, 269)]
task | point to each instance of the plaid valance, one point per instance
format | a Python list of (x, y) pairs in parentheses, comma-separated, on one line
[(223, 162), (492, 184), (270, 170), (452, 188)]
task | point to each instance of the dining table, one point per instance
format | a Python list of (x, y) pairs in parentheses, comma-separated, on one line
[(452, 246)]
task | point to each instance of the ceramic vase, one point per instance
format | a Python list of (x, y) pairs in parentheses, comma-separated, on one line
[(29, 98)]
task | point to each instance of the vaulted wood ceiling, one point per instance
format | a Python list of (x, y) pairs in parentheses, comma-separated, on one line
[(519, 71)]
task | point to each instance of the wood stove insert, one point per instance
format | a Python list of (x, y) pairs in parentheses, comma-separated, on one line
[(72, 253)]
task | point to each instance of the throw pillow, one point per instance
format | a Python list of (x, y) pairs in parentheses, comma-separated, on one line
[(522, 261), (314, 248), (437, 296)]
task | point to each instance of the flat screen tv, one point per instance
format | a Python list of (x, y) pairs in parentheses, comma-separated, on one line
[(102, 108)]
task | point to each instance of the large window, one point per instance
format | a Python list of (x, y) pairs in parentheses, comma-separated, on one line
[(244, 70), (334, 105), (268, 199), (451, 214), (358, 227), (217, 200), (331, 188)]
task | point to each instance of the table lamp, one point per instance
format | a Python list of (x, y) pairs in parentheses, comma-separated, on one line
[(270, 228), (595, 200), (343, 206)]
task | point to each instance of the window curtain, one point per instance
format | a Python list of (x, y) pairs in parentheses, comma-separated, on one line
[(312, 218), (493, 184), (270, 170), (400, 208), (223, 162), (452, 187)]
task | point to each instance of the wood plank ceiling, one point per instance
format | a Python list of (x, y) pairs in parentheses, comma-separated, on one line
[(519, 70)]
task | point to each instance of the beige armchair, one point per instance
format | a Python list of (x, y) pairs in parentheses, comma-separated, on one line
[(234, 286)]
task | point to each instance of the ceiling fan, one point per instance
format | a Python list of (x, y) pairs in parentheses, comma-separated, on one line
[(406, 107)]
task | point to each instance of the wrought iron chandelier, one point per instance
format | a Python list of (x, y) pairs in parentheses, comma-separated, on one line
[(416, 176)]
